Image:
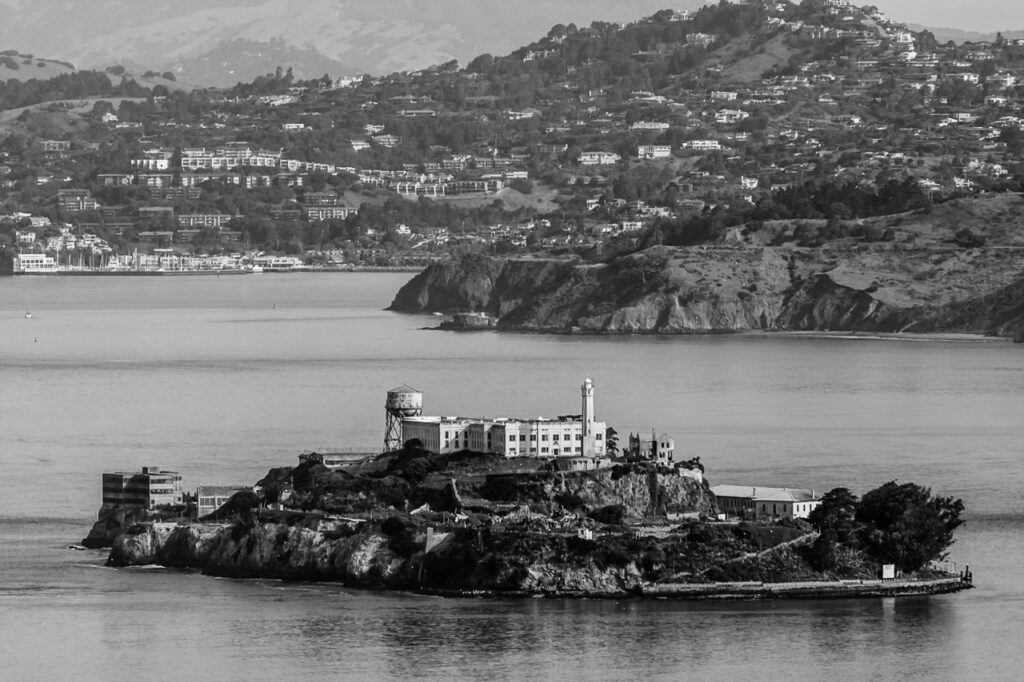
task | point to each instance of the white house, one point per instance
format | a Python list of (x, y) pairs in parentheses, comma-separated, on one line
[(654, 151), (728, 116), (599, 158), (703, 145)]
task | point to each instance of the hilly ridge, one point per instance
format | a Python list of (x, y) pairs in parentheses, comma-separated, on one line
[(226, 41)]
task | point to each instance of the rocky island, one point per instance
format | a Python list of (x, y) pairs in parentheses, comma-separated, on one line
[(474, 524), (953, 269)]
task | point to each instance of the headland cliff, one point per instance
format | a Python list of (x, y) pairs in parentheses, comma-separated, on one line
[(925, 276)]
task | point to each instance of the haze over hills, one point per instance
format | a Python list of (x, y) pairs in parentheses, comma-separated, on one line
[(221, 42), (957, 35)]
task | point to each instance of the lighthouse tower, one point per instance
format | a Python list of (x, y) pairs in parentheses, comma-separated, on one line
[(589, 437)]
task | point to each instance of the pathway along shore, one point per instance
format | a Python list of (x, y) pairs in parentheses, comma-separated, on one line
[(840, 589)]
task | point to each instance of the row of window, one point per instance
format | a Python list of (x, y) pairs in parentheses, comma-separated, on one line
[(543, 437), (544, 450)]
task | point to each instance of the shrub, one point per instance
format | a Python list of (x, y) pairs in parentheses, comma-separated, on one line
[(612, 515), (570, 501)]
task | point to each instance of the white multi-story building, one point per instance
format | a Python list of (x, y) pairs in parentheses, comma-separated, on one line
[(728, 116), (573, 436), (659, 126), (35, 263), (654, 151), (154, 160), (703, 145)]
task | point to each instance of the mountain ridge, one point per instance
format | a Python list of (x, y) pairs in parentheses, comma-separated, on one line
[(352, 37)]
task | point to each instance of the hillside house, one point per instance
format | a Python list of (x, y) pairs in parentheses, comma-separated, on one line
[(599, 158), (654, 151)]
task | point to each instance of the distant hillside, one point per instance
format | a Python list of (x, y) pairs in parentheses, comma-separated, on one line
[(945, 34), (14, 64), (221, 42)]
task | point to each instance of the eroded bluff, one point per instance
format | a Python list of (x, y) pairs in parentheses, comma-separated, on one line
[(518, 533), (723, 289)]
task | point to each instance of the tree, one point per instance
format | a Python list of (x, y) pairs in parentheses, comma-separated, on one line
[(904, 524), (611, 441), (836, 513)]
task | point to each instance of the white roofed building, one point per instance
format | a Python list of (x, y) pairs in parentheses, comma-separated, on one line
[(764, 503)]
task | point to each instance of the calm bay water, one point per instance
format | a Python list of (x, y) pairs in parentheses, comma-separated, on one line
[(222, 378)]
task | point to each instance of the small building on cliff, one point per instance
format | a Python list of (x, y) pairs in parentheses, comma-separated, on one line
[(567, 436), (660, 449), (146, 489), (210, 498)]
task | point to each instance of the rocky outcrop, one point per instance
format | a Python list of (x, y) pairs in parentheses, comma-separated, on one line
[(166, 544), (466, 287), (111, 523), (722, 289)]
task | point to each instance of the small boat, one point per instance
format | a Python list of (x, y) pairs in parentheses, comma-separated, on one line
[(28, 311)]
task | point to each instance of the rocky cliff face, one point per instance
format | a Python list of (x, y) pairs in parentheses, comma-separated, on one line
[(721, 289), (647, 493), (534, 549), (530, 556)]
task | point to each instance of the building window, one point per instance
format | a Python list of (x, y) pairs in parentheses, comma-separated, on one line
[(522, 437), (533, 438), (599, 436), (511, 438), (544, 436), (554, 437), (543, 449)]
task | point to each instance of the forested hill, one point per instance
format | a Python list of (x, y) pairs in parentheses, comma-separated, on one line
[(740, 42)]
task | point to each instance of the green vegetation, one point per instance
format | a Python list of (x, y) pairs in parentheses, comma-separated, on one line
[(901, 524)]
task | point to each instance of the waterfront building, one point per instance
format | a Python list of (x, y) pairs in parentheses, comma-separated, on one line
[(565, 436), (35, 263), (763, 503), (277, 263), (146, 489)]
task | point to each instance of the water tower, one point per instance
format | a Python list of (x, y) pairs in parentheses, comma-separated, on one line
[(402, 402)]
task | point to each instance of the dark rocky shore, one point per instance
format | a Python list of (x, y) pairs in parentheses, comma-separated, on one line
[(673, 290), (474, 529)]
